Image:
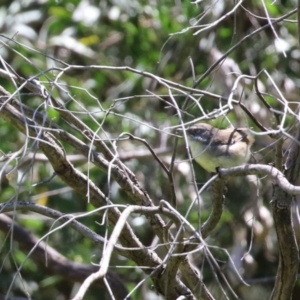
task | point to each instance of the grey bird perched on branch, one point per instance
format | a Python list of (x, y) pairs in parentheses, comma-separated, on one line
[(213, 148)]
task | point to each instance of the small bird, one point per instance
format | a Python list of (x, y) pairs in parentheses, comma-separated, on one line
[(12, 178), (212, 147)]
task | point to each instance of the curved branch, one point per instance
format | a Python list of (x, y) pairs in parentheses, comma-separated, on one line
[(67, 219), (217, 209), (287, 243), (52, 261), (262, 170)]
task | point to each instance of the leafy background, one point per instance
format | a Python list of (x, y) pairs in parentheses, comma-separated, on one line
[(156, 37)]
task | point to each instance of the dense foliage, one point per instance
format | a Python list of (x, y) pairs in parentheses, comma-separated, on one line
[(144, 67)]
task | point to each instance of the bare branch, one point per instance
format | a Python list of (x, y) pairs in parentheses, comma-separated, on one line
[(57, 263), (262, 170), (217, 209)]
